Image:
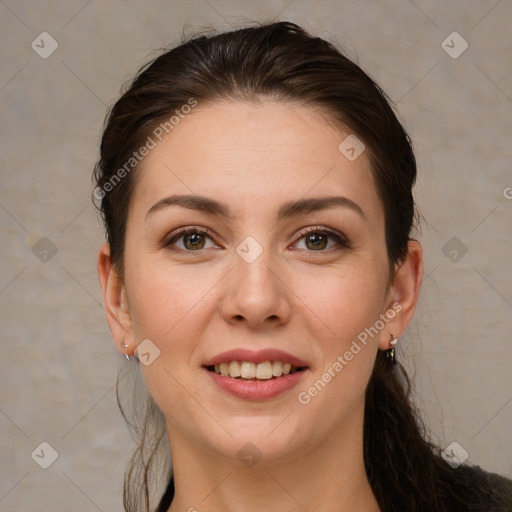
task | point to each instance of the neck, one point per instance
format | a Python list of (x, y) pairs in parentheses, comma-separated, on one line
[(329, 477)]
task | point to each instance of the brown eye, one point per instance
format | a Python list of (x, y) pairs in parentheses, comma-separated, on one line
[(193, 239), (318, 239)]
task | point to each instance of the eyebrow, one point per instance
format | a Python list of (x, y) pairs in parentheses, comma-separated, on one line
[(287, 210)]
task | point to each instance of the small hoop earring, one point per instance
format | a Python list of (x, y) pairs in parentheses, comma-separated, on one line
[(390, 354), (124, 345)]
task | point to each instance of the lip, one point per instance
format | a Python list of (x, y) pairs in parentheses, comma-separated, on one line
[(251, 356), (252, 389), (257, 390)]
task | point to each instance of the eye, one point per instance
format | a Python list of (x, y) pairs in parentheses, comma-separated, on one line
[(193, 239), (316, 239)]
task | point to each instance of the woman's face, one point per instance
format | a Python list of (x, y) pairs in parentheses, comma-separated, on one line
[(256, 282)]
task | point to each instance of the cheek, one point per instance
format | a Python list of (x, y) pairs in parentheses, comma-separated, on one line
[(342, 309), (345, 300), (165, 299), (169, 306), (347, 306)]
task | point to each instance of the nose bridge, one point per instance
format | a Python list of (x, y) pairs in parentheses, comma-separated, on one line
[(256, 291), (253, 265)]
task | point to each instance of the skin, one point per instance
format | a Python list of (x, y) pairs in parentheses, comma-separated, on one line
[(307, 301)]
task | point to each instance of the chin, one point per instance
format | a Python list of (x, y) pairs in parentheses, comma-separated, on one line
[(268, 439)]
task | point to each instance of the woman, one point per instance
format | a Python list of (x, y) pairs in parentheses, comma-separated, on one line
[(256, 189)]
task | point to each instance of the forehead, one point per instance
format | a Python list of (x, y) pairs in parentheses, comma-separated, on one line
[(248, 153)]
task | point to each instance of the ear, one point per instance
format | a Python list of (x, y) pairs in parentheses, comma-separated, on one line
[(114, 299), (403, 294)]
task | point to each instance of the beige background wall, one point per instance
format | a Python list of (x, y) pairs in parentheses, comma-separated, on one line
[(58, 361)]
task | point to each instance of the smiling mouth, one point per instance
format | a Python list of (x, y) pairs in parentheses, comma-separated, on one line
[(246, 370)]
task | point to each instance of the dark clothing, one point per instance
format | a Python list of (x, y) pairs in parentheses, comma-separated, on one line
[(499, 499), (496, 497)]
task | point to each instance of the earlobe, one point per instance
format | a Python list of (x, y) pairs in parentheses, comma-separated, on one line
[(405, 292), (115, 302)]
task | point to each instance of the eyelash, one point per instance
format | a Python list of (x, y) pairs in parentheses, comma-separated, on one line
[(341, 240)]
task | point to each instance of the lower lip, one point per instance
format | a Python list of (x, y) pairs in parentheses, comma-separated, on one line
[(257, 389)]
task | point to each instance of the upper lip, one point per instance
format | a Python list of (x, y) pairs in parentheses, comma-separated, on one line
[(260, 356)]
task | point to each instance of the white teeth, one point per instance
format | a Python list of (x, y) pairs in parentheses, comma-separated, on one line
[(264, 370), (261, 371), (247, 370), (277, 368), (234, 369)]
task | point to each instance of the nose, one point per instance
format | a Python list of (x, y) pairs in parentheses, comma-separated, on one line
[(257, 294)]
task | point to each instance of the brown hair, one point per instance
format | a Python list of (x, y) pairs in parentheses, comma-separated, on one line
[(282, 62)]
